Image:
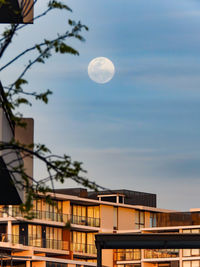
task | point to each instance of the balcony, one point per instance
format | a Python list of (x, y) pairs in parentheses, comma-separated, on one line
[(35, 242), (41, 215), (161, 253), (52, 216), (87, 221), (83, 248), (127, 255)]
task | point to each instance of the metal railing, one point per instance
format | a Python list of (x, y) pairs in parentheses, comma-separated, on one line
[(127, 254), (48, 243), (161, 253), (42, 215), (87, 221), (53, 216), (35, 241), (5, 238), (83, 248), (3, 214)]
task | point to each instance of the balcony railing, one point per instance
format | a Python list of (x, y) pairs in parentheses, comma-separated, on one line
[(42, 215), (161, 253), (53, 216), (48, 243), (83, 248), (83, 220), (127, 254), (35, 242)]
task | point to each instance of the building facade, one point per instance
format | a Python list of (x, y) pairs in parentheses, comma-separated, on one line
[(62, 234)]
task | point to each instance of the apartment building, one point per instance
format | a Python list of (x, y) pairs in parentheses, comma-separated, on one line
[(63, 234)]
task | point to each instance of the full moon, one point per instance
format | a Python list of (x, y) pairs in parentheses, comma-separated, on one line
[(101, 70)]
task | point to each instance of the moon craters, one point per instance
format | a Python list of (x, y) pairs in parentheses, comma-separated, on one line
[(101, 70)]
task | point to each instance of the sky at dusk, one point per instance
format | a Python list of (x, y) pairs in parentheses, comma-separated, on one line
[(141, 130)]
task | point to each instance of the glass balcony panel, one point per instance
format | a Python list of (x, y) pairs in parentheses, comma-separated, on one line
[(161, 253), (88, 221), (41, 215), (127, 254), (186, 252), (195, 263), (36, 241), (186, 263), (195, 252), (83, 248)]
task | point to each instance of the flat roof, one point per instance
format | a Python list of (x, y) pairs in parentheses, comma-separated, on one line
[(89, 201)]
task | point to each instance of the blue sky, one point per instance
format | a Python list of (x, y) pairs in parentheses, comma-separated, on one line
[(141, 130)]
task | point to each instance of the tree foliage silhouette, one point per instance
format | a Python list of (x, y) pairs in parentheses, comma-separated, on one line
[(59, 167)]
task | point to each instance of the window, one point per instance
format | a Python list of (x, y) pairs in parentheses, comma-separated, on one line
[(195, 263), (152, 219), (186, 264), (186, 252), (127, 254), (139, 219), (83, 242), (35, 235), (44, 210), (93, 212), (91, 249), (53, 237), (191, 263), (93, 216), (84, 215), (15, 234), (79, 214), (79, 241)]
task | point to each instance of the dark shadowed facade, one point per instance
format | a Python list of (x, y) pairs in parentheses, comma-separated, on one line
[(11, 159), (16, 11), (10, 12)]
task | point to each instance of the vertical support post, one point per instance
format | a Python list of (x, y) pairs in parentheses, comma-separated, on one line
[(1, 262), (99, 255), (181, 253), (10, 211), (9, 231), (142, 257), (117, 198)]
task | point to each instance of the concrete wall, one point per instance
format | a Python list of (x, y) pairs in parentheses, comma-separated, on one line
[(107, 257), (148, 264), (125, 219), (6, 133), (39, 264), (106, 215), (147, 219), (66, 207), (26, 136)]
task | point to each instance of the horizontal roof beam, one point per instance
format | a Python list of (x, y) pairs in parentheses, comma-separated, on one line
[(147, 241)]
